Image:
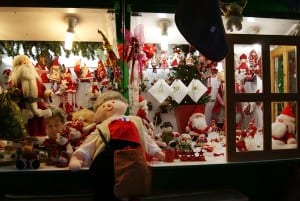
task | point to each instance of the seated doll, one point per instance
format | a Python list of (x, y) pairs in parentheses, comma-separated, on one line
[(120, 131)]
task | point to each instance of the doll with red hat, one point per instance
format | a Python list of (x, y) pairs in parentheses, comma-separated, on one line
[(35, 96), (284, 128), (120, 131), (143, 113), (94, 90), (197, 125)]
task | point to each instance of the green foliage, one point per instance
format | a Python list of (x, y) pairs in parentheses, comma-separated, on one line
[(186, 73), (35, 48), (12, 126)]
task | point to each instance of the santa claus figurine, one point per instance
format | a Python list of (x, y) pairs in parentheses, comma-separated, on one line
[(94, 90), (143, 113), (197, 124), (283, 129), (35, 96)]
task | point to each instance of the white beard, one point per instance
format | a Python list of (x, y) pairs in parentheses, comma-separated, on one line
[(26, 75), (199, 123), (279, 129)]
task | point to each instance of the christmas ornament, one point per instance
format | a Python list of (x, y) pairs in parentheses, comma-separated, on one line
[(134, 43), (196, 89), (179, 90), (160, 90)]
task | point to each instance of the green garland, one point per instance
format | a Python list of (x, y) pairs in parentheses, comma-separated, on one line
[(36, 48)]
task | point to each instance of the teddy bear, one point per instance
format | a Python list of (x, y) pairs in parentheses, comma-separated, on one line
[(87, 117), (35, 96), (80, 126), (233, 14)]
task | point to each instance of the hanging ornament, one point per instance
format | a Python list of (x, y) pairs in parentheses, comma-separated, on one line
[(179, 90), (160, 90), (196, 89)]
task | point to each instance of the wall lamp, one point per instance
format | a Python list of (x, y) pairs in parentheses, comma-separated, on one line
[(72, 21), (164, 40)]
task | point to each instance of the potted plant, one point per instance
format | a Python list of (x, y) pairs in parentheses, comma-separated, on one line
[(187, 70)]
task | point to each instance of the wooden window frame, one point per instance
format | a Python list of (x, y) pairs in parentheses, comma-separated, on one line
[(266, 97)]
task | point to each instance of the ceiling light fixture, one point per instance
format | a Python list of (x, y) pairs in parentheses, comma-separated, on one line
[(72, 21), (164, 41)]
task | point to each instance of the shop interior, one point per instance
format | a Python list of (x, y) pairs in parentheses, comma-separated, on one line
[(268, 46)]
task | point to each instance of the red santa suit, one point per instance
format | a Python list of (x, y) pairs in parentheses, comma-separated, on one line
[(197, 124), (36, 125)]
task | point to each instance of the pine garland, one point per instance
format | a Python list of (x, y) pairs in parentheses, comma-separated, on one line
[(36, 48)]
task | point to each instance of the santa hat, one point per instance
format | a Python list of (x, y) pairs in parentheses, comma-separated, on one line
[(243, 56), (197, 111), (288, 113)]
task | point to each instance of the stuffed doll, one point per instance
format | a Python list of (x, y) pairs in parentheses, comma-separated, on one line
[(94, 90), (61, 150), (120, 131), (197, 125), (168, 136), (143, 113), (26, 156), (86, 116), (34, 95), (284, 129)]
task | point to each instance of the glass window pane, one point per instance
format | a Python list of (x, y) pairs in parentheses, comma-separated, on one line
[(248, 68), (284, 133), (249, 126), (283, 69)]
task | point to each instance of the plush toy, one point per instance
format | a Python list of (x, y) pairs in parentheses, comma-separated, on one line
[(143, 113), (26, 156), (185, 142), (34, 94), (168, 137), (233, 14), (80, 126), (197, 124), (120, 131), (87, 117), (284, 129), (61, 150), (218, 109), (94, 90)]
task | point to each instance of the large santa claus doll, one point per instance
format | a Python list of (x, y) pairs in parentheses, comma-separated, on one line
[(283, 129), (34, 95), (197, 125)]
